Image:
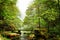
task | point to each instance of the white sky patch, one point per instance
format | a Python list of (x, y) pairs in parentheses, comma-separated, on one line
[(22, 5)]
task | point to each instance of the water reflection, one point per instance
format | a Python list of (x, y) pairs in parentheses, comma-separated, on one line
[(24, 35)]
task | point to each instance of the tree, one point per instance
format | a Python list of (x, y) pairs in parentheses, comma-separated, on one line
[(47, 11), (9, 13)]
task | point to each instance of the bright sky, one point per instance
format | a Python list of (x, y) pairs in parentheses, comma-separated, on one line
[(22, 5)]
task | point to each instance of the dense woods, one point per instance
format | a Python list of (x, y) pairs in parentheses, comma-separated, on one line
[(44, 16), (42, 21), (9, 20)]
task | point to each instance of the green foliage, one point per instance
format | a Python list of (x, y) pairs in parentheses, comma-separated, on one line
[(48, 11), (9, 13)]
